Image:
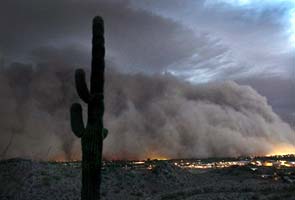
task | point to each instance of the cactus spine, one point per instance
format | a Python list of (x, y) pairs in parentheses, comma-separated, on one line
[(93, 134)]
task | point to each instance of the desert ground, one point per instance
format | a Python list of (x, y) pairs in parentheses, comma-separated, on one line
[(22, 179)]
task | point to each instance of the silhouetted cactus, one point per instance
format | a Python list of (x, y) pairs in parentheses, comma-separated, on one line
[(93, 134)]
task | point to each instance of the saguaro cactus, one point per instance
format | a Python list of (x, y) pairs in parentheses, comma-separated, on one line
[(93, 134)]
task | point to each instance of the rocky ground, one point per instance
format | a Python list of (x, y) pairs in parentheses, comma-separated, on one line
[(30, 180)]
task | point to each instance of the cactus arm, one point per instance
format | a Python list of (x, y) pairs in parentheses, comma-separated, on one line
[(104, 133), (81, 85), (77, 120)]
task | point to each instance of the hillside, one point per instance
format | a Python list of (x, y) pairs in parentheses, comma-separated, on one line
[(29, 180)]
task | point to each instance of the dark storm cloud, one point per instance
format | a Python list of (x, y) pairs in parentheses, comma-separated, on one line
[(256, 34), (217, 45), (136, 39), (196, 40)]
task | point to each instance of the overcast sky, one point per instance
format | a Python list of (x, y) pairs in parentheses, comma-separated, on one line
[(250, 41)]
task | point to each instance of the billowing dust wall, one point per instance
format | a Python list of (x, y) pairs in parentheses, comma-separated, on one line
[(147, 116)]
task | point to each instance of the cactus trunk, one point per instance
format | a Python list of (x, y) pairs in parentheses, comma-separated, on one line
[(93, 134)]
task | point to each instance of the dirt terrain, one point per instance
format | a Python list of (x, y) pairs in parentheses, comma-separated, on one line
[(31, 180)]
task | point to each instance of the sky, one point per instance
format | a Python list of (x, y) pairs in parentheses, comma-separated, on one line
[(248, 37), (201, 41), (251, 42)]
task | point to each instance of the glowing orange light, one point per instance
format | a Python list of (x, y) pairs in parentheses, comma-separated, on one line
[(284, 149), (267, 164), (156, 156)]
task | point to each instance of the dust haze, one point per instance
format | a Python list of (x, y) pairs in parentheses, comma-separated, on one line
[(148, 116)]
